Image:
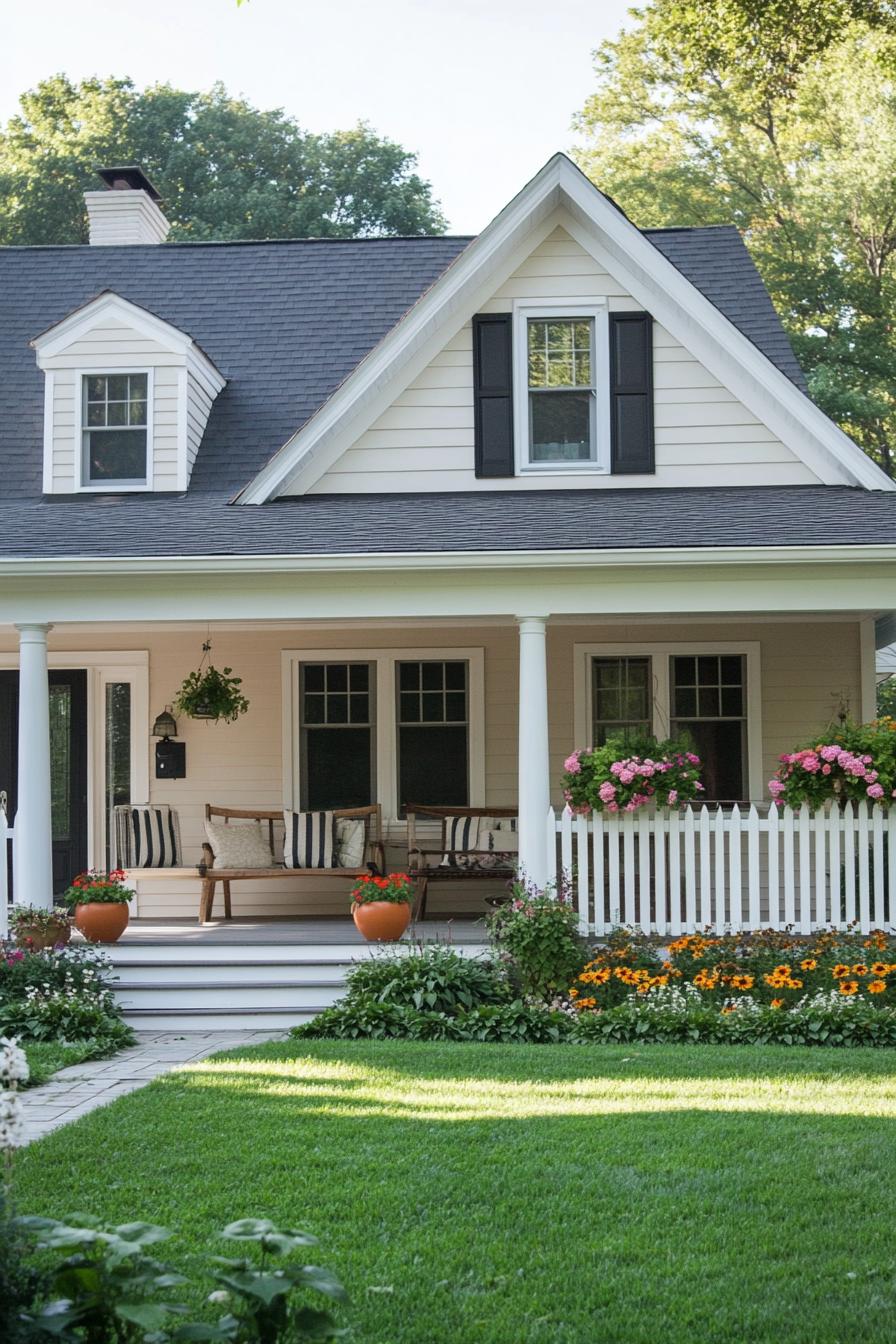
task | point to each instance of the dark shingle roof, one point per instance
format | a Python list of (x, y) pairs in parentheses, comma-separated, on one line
[(494, 520), (285, 322)]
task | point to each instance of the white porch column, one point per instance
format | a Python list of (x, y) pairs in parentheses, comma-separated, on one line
[(33, 831), (534, 768)]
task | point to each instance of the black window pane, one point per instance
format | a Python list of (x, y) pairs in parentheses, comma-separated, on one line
[(357, 708), (433, 675), (433, 766), (684, 671), (707, 670), (313, 674), (433, 707), (96, 413), (408, 676), (685, 702), (731, 669), (720, 746), (313, 708), (337, 677), (708, 702), (608, 671), (96, 389), (732, 701), (609, 703), (560, 426), (455, 706), (116, 455), (336, 768), (337, 709), (409, 707), (359, 676), (455, 676)]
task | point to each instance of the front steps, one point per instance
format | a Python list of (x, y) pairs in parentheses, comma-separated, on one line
[(167, 985)]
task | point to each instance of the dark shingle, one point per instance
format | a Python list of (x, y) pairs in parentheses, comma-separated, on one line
[(284, 322), (495, 520)]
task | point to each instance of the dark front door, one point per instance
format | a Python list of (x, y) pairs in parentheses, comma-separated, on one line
[(68, 767)]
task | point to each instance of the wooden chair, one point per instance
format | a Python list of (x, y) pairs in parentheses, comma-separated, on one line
[(374, 853), (440, 864)]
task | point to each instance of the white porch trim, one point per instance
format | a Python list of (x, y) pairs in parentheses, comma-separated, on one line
[(534, 785), (33, 847)]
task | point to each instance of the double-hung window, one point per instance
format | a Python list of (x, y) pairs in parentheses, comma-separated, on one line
[(432, 733), (114, 429), (561, 390), (337, 735), (621, 699), (709, 705)]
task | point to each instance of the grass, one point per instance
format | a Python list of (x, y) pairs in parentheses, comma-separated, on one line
[(45, 1057), (525, 1195)]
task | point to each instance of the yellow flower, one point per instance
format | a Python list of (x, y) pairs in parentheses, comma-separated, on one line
[(849, 986), (876, 986), (880, 968), (742, 981), (573, 993), (860, 968), (777, 1003), (839, 971), (586, 1003), (808, 964)]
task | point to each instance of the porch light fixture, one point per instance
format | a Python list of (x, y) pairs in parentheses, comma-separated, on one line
[(165, 725)]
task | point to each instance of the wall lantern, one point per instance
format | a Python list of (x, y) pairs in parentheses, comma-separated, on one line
[(171, 756)]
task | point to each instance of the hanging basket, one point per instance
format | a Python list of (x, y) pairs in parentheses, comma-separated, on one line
[(211, 694)]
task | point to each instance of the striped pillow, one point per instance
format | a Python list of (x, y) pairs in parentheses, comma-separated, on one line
[(309, 840), (461, 835), (147, 837)]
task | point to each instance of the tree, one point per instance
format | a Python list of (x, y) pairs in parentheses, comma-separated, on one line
[(225, 169), (778, 116)]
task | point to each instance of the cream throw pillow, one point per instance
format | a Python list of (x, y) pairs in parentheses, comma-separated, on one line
[(240, 844), (350, 844)]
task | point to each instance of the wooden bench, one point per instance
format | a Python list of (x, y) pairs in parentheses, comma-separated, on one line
[(440, 864), (374, 853)]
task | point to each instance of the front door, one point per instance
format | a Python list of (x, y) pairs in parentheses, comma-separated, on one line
[(68, 767)]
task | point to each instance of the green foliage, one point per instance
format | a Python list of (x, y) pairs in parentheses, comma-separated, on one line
[(60, 994), (508, 1022), (433, 978), (27, 919), (846, 761), (781, 118), (886, 698), (208, 693), (108, 1288), (536, 935), (226, 170), (21, 1282)]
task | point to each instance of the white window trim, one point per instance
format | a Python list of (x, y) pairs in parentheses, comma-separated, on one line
[(597, 311), (659, 654), (386, 735), (103, 667), (112, 487)]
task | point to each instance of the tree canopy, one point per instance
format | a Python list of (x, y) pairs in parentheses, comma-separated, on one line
[(778, 116), (225, 169)]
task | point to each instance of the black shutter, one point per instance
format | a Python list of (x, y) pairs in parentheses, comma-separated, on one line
[(631, 392), (493, 394)]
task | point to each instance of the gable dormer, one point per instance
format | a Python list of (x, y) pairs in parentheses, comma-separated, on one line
[(127, 398)]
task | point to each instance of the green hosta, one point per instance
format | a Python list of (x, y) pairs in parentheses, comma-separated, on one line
[(435, 979)]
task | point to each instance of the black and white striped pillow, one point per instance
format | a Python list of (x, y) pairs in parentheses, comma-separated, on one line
[(461, 835), (309, 840), (148, 837)]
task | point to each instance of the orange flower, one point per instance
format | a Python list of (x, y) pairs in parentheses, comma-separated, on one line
[(860, 968), (839, 971), (880, 968), (808, 964), (876, 986), (777, 1003), (849, 986), (742, 981)]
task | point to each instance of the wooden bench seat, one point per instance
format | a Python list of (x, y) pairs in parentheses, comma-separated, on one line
[(440, 864), (374, 853)]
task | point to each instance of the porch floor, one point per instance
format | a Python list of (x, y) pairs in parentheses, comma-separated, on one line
[(289, 932)]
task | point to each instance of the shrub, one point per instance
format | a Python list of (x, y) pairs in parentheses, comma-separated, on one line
[(536, 936), (621, 776), (432, 978), (60, 993)]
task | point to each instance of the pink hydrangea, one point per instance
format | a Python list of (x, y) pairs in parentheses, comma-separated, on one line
[(572, 765), (875, 791), (607, 792)]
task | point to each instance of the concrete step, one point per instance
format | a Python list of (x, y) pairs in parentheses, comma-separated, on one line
[(216, 1019), (165, 996), (230, 973), (173, 952)]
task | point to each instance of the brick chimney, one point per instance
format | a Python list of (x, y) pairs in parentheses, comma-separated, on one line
[(127, 212)]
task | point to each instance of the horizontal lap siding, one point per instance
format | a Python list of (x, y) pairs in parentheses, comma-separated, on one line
[(704, 435)]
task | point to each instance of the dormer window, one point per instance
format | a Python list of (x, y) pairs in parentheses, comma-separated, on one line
[(562, 422), (115, 429)]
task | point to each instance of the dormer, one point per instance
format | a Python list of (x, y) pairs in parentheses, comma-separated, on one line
[(127, 399)]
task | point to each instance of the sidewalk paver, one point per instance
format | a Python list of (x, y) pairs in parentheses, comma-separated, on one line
[(80, 1088)]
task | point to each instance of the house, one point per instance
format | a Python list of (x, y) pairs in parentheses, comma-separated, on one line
[(449, 506)]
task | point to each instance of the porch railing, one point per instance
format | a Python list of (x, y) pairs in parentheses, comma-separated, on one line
[(5, 856), (679, 871)]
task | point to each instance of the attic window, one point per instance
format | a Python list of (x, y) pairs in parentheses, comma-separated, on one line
[(115, 429)]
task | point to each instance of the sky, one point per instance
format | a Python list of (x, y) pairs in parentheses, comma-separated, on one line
[(483, 91)]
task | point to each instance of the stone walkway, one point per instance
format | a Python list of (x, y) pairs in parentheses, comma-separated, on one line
[(80, 1088)]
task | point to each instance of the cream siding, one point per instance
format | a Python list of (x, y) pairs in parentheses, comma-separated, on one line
[(704, 435), (808, 669)]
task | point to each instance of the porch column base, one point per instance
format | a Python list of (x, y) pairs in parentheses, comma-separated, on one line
[(534, 765), (32, 825)]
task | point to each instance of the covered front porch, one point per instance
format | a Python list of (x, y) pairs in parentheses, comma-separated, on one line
[(455, 684)]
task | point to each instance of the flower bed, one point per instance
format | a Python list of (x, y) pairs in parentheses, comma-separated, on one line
[(59, 994)]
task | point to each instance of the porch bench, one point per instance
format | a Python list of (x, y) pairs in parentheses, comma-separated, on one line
[(445, 864), (373, 857)]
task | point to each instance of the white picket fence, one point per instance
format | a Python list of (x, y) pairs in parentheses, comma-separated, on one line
[(675, 872), (5, 851)]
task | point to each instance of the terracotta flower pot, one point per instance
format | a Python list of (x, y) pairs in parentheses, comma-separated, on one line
[(39, 938), (102, 921), (381, 921)]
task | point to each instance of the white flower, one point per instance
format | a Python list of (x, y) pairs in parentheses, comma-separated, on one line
[(219, 1295), (12, 1121), (13, 1064)]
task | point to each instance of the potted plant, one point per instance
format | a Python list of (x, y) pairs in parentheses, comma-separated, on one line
[(210, 693), (36, 928), (100, 905), (381, 906), (622, 776)]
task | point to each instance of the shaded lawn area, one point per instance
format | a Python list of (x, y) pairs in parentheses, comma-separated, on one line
[(45, 1057), (525, 1194)]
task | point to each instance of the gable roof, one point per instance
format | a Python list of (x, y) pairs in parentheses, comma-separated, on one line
[(286, 323), (600, 227)]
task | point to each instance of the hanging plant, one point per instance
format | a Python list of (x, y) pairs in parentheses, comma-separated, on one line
[(209, 693)]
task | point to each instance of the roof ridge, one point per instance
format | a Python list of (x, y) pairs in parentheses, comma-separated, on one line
[(235, 242)]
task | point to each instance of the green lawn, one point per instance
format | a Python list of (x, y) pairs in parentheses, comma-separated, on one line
[(475, 1194), (45, 1057)]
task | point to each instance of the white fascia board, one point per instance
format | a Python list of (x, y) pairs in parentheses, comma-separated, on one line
[(57, 339), (434, 561), (653, 280)]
